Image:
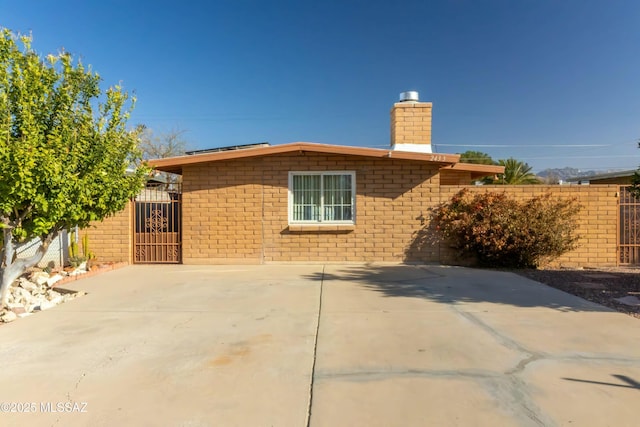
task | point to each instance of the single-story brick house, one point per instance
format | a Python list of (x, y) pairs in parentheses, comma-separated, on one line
[(305, 202), (316, 202)]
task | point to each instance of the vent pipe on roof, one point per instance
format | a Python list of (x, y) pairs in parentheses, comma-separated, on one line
[(410, 96)]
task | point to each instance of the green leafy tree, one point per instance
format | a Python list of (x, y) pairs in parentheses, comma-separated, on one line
[(516, 173), (66, 155), (476, 157)]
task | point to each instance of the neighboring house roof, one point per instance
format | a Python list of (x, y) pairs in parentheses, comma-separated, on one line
[(622, 175), (175, 164)]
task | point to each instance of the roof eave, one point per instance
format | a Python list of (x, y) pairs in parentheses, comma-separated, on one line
[(175, 164), (476, 170)]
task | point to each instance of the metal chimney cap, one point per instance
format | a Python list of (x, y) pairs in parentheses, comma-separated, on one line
[(410, 96)]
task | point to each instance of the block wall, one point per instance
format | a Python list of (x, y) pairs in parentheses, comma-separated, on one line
[(597, 221), (111, 239), (222, 207), (237, 211)]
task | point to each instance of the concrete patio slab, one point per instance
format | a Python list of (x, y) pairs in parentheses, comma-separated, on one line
[(458, 347), (170, 346), (409, 400), (586, 392), (335, 345), (396, 340)]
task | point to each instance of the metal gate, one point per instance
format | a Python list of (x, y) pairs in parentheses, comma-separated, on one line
[(158, 234), (628, 228)]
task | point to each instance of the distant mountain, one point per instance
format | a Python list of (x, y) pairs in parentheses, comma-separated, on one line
[(564, 173)]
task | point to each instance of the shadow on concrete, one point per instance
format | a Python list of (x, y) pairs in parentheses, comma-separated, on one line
[(455, 285), (628, 382)]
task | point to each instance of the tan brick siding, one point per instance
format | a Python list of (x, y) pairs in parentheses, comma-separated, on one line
[(111, 239), (411, 123), (597, 220), (222, 212), (236, 211)]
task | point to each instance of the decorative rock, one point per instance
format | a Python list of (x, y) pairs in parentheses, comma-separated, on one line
[(21, 293), (81, 269), (28, 296), (35, 304), (8, 316), (18, 309), (39, 278), (56, 299), (26, 284), (45, 305), (53, 279)]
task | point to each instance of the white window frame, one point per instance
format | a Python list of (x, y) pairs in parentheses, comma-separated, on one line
[(322, 174)]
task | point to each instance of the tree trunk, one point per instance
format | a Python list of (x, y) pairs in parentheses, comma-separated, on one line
[(14, 268)]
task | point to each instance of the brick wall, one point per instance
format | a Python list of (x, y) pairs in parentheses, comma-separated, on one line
[(222, 212), (236, 211), (111, 239), (597, 221), (411, 123)]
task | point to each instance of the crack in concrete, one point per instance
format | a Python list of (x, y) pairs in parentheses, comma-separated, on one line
[(100, 365), (516, 390), (315, 351), (510, 392), (504, 340), (424, 373), (508, 389), (523, 363)]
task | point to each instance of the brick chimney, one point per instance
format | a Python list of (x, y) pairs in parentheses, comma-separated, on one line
[(411, 124)]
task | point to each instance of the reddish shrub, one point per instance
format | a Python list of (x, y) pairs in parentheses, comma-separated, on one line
[(500, 231)]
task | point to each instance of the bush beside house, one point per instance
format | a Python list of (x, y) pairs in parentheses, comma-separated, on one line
[(499, 230)]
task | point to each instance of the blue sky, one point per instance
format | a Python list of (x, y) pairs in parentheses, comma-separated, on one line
[(553, 83)]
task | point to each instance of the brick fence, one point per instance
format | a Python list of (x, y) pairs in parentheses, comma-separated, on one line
[(597, 221), (237, 213), (111, 240)]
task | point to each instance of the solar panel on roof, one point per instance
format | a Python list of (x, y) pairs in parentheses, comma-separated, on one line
[(229, 148)]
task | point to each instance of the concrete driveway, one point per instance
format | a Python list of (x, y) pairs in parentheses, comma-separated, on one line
[(298, 345)]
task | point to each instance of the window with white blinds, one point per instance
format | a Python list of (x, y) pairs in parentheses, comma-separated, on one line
[(322, 197)]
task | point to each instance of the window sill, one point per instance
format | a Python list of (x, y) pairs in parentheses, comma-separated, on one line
[(321, 227)]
